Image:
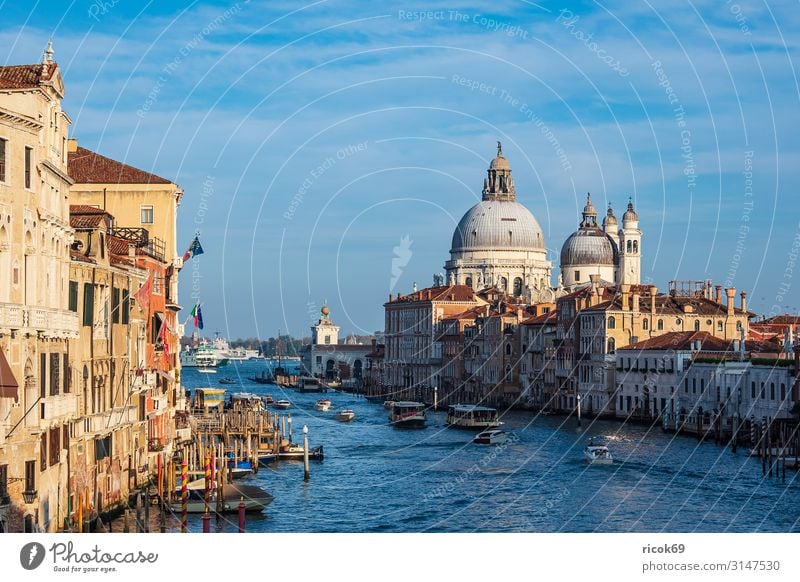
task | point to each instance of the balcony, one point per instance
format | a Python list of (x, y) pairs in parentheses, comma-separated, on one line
[(51, 323), (140, 237), (60, 407)]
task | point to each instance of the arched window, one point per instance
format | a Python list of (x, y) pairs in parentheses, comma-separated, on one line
[(468, 281), (612, 344), (629, 247), (503, 283), (612, 322), (697, 325), (508, 349), (645, 324), (660, 324), (719, 326), (635, 246), (517, 286)]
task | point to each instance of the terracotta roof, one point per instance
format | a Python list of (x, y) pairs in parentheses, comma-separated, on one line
[(26, 76), (83, 216), (88, 167), (439, 293), (784, 319), (670, 305), (118, 246), (681, 340), (550, 316), (78, 256)]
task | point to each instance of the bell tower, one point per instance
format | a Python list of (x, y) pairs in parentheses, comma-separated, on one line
[(499, 185), (325, 332), (630, 243)]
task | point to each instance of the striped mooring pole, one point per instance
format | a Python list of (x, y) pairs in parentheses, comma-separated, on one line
[(207, 496), (184, 494)]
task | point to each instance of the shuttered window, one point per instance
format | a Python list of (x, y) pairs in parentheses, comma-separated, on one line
[(73, 296), (88, 304)]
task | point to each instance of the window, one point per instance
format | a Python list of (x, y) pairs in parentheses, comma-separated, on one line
[(694, 385), (468, 281), (612, 323), (577, 276), (686, 385), (102, 448), (738, 326), (73, 296), (508, 349), (30, 475), (697, 325), (126, 307), (660, 324), (55, 446), (88, 304), (319, 360), (678, 321), (28, 162), (55, 370), (147, 215), (702, 385), (719, 326), (753, 390), (66, 374), (42, 375), (2, 160), (763, 392), (783, 392), (327, 339), (611, 345), (644, 324), (772, 390), (43, 451), (114, 305)]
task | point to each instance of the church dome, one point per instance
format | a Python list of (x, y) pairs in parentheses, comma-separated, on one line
[(498, 224), (630, 214), (589, 246), (610, 219)]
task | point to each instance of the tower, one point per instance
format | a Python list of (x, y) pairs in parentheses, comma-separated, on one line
[(630, 248), (325, 332)]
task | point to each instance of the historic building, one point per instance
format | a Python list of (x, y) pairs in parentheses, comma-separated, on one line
[(326, 358), (498, 242), (35, 323), (614, 255), (537, 374)]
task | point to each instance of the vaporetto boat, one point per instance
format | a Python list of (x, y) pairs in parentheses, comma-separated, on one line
[(472, 417)]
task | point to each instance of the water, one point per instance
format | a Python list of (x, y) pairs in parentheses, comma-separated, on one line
[(376, 478)]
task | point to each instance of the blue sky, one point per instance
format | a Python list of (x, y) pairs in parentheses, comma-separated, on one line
[(310, 139)]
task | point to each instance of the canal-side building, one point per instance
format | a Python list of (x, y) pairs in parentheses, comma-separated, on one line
[(326, 357), (144, 207), (412, 358), (537, 373), (694, 381), (35, 323), (108, 443)]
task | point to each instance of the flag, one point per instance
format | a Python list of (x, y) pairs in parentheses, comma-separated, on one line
[(194, 249), (143, 294), (198, 316)]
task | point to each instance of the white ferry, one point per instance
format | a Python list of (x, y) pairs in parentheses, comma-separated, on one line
[(407, 414)]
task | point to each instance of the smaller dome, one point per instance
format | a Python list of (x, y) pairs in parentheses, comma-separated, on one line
[(630, 213), (589, 246), (589, 208), (499, 163)]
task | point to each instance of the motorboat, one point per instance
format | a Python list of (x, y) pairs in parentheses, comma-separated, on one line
[(491, 437), (254, 499), (282, 404), (309, 384), (206, 370), (597, 453), (472, 417), (268, 400), (407, 415), (388, 404), (227, 380), (323, 405), (345, 415), (295, 452)]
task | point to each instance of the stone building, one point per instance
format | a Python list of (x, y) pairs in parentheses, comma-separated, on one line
[(35, 322), (537, 373), (325, 357)]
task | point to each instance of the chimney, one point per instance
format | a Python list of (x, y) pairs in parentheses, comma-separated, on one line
[(731, 295), (72, 145), (626, 291), (744, 301), (391, 297), (718, 296), (636, 302), (653, 293)]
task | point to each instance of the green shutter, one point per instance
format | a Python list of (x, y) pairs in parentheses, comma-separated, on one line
[(115, 305), (73, 296), (88, 304), (126, 306)]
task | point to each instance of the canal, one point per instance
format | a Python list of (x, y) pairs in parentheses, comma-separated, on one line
[(376, 478)]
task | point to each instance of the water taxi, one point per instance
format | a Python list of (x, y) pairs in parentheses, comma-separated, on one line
[(472, 417), (282, 404), (345, 415), (407, 415), (597, 453), (491, 437), (323, 405)]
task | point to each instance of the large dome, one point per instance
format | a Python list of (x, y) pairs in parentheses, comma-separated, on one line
[(589, 246), (496, 224)]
